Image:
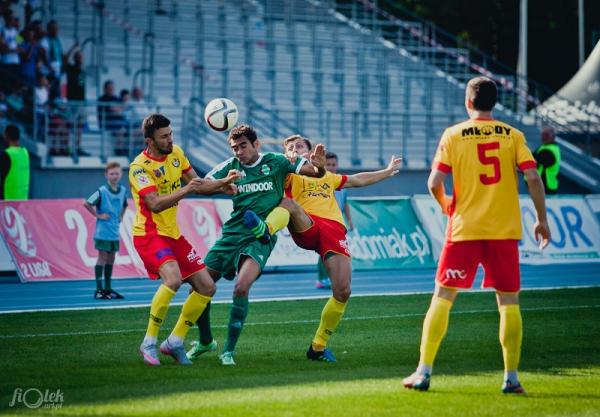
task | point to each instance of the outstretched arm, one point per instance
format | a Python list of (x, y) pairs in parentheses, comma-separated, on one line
[(212, 186), (363, 179)]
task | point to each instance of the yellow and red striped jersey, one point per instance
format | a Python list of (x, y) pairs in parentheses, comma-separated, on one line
[(315, 195), (483, 156), (147, 174)]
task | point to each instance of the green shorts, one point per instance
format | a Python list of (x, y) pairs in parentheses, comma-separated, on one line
[(107, 245), (224, 256)]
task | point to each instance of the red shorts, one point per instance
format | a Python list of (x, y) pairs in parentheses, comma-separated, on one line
[(156, 250), (500, 260), (323, 236)]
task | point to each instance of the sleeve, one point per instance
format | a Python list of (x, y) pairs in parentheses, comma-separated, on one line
[(443, 158), (220, 171), (140, 181), (525, 159), (338, 181), (94, 199), (185, 163)]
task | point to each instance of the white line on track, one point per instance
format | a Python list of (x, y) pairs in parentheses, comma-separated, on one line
[(287, 322)]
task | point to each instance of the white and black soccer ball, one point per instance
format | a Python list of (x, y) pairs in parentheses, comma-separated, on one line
[(221, 114)]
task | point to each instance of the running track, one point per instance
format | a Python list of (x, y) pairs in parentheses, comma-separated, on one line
[(48, 296)]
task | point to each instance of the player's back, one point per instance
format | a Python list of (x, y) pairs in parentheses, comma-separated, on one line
[(483, 155)]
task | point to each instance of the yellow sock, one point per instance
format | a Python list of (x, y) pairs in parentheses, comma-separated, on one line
[(330, 318), (511, 335), (434, 329), (158, 310), (191, 310), (277, 219)]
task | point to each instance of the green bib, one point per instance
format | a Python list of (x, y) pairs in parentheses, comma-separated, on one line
[(16, 184)]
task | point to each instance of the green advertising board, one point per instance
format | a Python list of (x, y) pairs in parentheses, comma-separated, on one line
[(388, 235)]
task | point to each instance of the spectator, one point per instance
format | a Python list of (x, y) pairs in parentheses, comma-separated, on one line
[(9, 50), (75, 75), (139, 110), (29, 51), (54, 52), (109, 111), (547, 156), (14, 167), (41, 93)]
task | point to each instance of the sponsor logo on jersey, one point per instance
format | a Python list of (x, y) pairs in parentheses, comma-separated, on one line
[(486, 130), (159, 172), (175, 162), (142, 180), (138, 172), (265, 169), (253, 187), (455, 274)]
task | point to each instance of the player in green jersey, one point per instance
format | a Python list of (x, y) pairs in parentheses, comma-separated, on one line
[(259, 189)]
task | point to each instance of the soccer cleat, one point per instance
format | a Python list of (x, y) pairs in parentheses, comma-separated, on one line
[(226, 358), (198, 349), (510, 388), (417, 381), (101, 295), (113, 295), (258, 227), (149, 354), (323, 284), (176, 352), (321, 356)]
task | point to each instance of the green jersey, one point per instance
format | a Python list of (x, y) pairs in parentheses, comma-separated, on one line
[(260, 188)]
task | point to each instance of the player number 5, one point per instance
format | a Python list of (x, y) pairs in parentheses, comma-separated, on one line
[(486, 159)]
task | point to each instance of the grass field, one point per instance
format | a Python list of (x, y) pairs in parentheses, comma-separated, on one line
[(91, 356)]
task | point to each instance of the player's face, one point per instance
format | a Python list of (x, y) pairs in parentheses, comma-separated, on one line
[(246, 152), (299, 146), (114, 175), (162, 142), (331, 165)]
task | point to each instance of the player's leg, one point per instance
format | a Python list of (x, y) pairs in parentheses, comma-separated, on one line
[(203, 288), (249, 270), (99, 272), (287, 212), (206, 342), (501, 264), (108, 270), (456, 269), (340, 270)]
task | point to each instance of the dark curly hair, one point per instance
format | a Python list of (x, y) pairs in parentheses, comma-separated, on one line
[(243, 130)]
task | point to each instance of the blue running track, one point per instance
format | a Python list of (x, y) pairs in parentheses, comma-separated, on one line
[(49, 296)]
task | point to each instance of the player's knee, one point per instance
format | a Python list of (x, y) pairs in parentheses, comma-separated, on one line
[(241, 290), (342, 294)]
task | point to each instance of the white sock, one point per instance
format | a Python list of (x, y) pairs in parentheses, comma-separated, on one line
[(512, 377), (149, 340), (175, 340), (423, 369)]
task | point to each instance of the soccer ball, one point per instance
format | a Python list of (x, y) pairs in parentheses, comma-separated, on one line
[(221, 114)]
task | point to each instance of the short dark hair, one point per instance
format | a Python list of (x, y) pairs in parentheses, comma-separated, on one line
[(12, 132), (296, 137), (107, 82), (482, 92), (243, 130), (331, 155), (154, 122)]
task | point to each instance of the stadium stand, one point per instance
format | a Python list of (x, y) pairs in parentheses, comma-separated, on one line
[(350, 75)]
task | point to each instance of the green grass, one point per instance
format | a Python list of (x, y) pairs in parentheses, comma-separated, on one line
[(376, 345)]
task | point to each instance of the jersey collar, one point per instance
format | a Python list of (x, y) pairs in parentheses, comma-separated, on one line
[(260, 157), (153, 158)]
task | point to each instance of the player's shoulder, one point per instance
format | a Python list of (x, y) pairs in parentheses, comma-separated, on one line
[(177, 151), (231, 163)]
